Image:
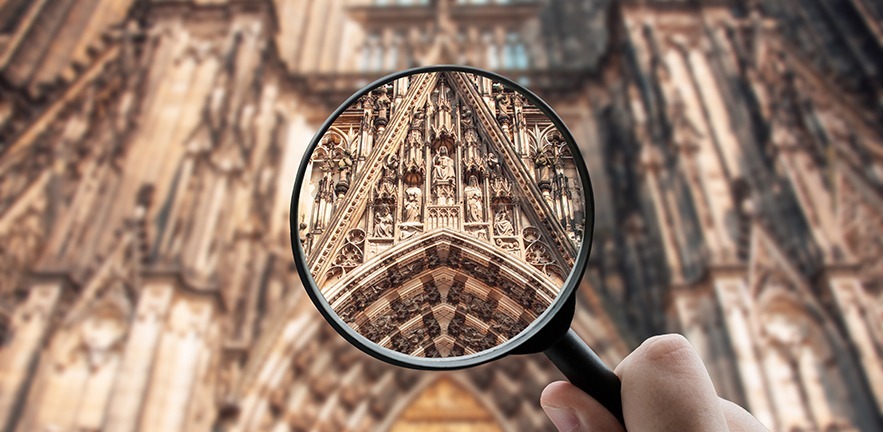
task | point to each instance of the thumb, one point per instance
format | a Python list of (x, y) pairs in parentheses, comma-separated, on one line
[(665, 387), (572, 410)]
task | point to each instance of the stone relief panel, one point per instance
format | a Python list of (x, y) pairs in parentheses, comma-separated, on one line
[(441, 161)]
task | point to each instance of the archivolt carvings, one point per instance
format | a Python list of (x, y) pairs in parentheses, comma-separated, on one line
[(444, 298), (442, 172)]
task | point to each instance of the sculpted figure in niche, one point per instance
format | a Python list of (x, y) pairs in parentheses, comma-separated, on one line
[(391, 166), (503, 103), (417, 119), (544, 161), (344, 166), (382, 104), (493, 164), (502, 224), (443, 166), (412, 204), (472, 152), (474, 205), (415, 152), (383, 224)]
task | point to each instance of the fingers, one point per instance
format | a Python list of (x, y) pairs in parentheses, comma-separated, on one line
[(665, 387), (572, 410), (739, 420)]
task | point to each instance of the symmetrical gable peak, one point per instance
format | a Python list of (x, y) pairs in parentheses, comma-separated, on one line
[(450, 151), (770, 267)]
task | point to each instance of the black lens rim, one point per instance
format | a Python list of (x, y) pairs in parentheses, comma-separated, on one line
[(447, 363)]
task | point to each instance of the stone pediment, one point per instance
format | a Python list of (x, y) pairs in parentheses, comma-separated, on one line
[(449, 163)]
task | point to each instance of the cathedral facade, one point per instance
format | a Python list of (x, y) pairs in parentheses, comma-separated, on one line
[(148, 150), (445, 213)]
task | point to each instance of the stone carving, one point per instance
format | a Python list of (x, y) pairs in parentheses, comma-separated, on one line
[(474, 201), (410, 230), (350, 255), (440, 172), (382, 105), (383, 223), (544, 160), (412, 204), (509, 245), (539, 254), (504, 101), (344, 170), (386, 188), (477, 231), (501, 189), (413, 166), (493, 165), (502, 223), (443, 166), (444, 194)]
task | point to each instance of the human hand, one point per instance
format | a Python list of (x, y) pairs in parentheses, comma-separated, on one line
[(665, 387)]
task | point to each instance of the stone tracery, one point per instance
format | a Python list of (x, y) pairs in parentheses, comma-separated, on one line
[(444, 175)]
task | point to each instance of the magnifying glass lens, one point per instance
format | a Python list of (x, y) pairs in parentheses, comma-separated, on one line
[(441, 213)]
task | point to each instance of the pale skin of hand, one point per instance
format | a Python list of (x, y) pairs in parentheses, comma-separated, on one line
[(665, 387)]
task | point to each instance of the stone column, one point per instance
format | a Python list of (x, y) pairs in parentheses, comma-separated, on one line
[(176, 365), (28, 328), (734, 300), (854, 304), (130, 388)]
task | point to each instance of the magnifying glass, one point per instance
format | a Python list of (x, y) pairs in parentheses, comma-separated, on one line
[(442, 218)]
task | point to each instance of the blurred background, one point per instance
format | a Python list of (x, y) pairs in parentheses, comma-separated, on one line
[(148, 149)]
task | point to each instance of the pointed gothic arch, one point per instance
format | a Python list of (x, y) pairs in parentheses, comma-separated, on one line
[(445, 293), (444, 402)]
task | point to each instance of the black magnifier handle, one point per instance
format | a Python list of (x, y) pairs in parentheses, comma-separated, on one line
[(584, 369)]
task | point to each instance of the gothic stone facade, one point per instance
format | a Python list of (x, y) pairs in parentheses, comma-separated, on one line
[(445, 213), (149, 148)]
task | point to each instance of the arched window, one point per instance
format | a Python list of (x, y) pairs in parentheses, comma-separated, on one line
[(395, 52), (372, 54), (492, 51), (515, 55)]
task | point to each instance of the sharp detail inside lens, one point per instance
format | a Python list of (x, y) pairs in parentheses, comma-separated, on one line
[(441, 213)]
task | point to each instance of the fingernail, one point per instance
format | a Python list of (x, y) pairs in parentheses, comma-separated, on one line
[(563, 418)]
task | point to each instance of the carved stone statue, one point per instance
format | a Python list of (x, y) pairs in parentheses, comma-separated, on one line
[(417, 120), (443, 166), (383, 224), (472, 158), (544, 161), (415, 150), (345, 166), (493, 164), (382, 105), (474, 204), (412, 204), (502, 224), (391, 165)]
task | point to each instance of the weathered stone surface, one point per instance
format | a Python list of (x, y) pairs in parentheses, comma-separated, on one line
[(149, 149)]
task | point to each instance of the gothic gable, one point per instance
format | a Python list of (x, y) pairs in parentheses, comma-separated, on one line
[(456, 167), (768, 265)]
